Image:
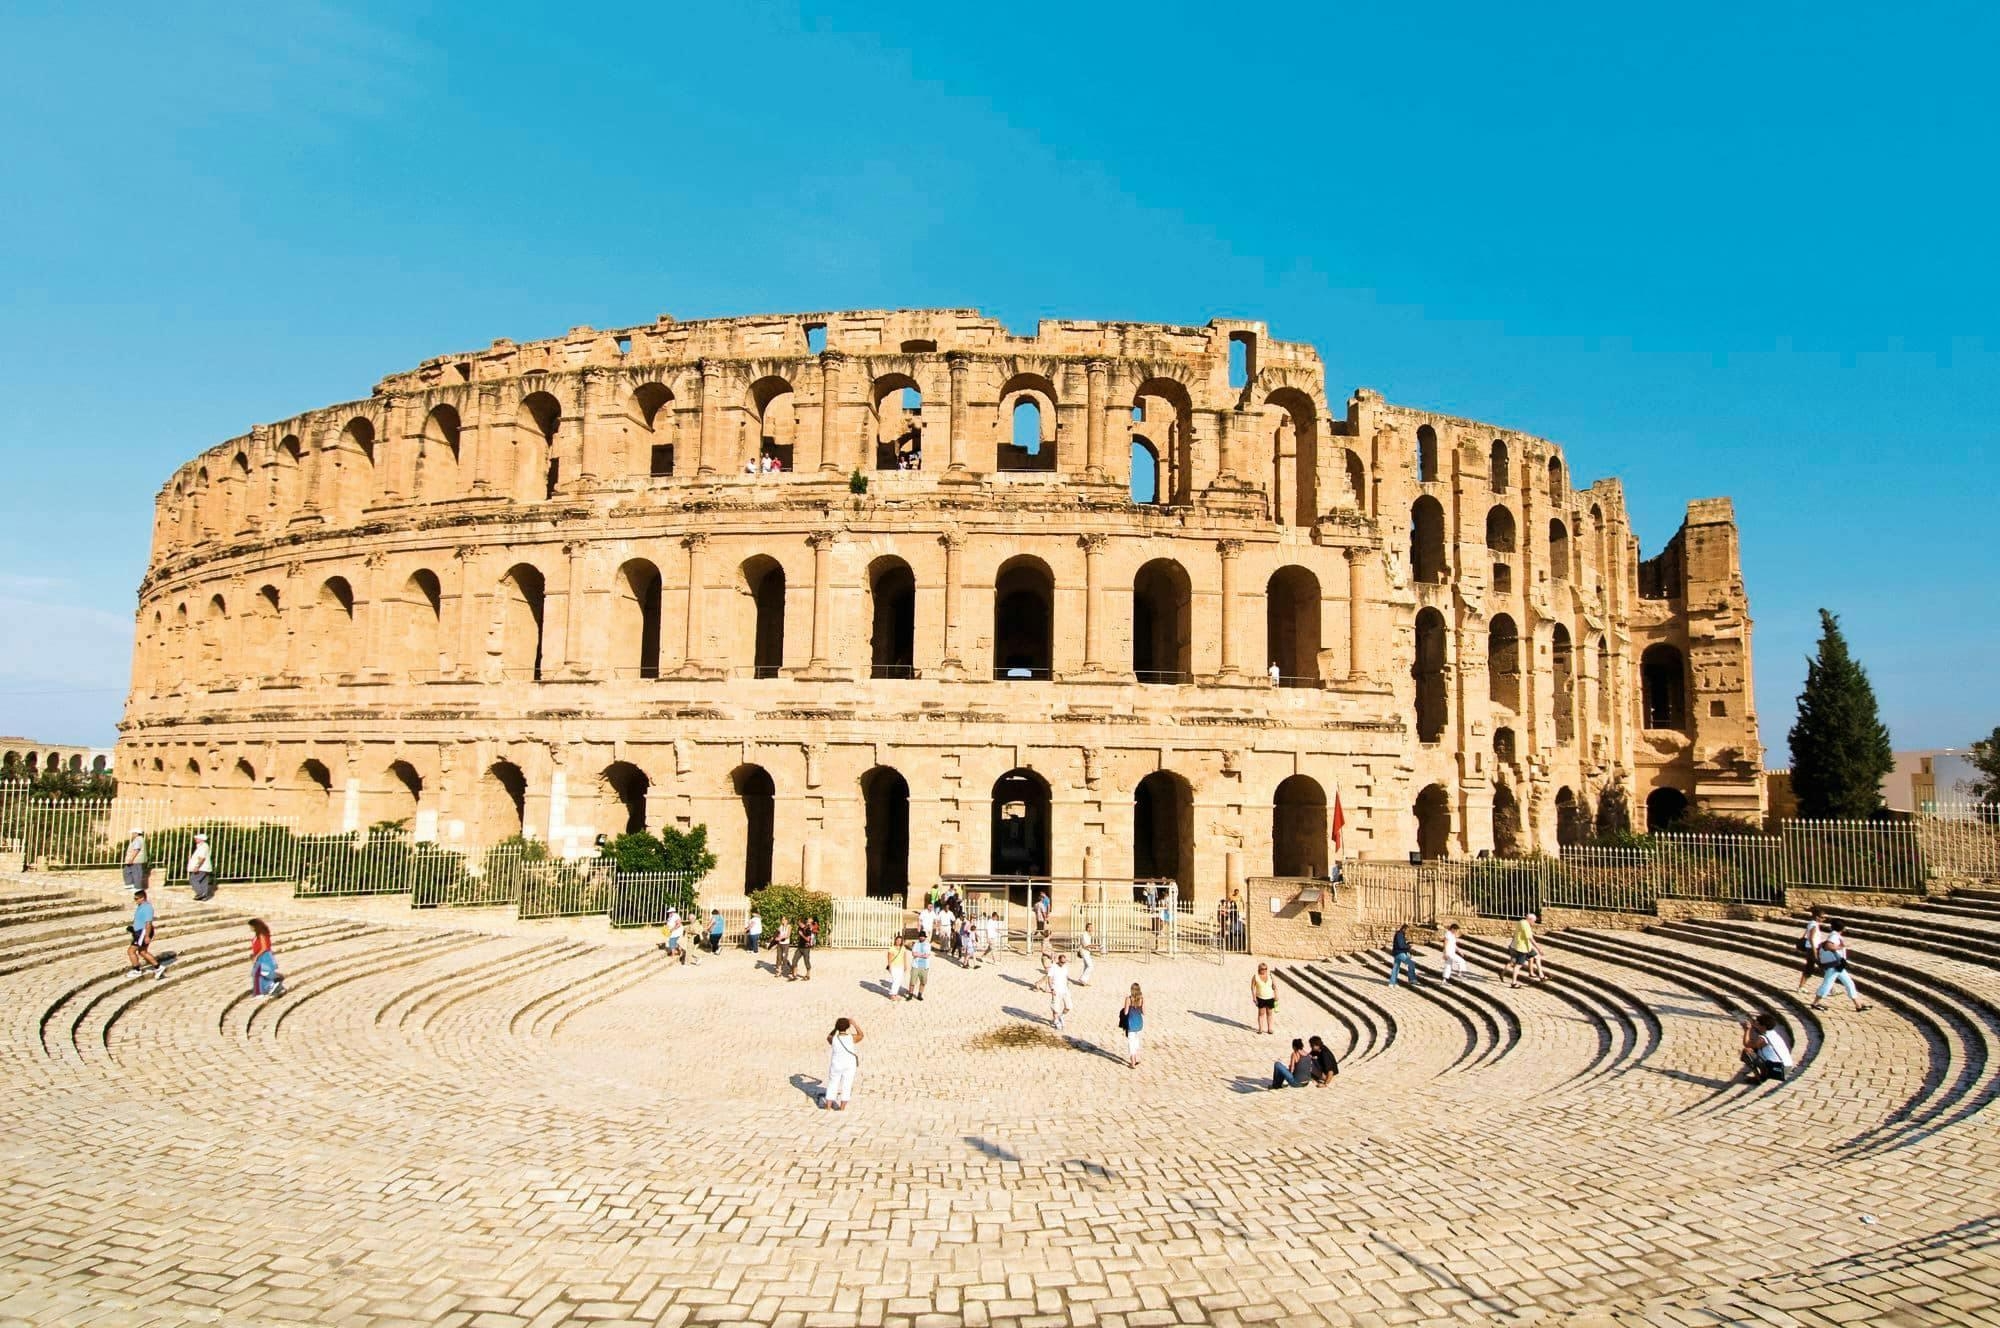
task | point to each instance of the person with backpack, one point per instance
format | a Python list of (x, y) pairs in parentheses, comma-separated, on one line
[(843, 1062), (1400, 957), (1132, 1019), (1832, 957), (1809, 947)]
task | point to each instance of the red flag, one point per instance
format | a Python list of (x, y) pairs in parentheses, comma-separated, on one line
[(1339, 820)]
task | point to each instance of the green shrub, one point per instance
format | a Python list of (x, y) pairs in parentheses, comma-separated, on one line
[(639, 851), (687, 851), (857, 482), (775, 903)]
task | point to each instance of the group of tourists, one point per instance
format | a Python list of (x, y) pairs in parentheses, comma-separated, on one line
[(1311, 1061), (144, 930), (137, 864), (1824, 946)]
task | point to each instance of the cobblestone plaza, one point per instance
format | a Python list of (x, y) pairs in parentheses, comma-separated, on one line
[(485, 1124)]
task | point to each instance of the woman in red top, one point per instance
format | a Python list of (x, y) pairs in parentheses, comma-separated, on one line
[(260, 943)]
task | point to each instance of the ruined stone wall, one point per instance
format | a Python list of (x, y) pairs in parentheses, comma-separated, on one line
[(549, 587)]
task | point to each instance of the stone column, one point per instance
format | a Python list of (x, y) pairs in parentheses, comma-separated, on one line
[(952, 665), (1230, 549), (1093, 462), (593, 391), (960, 365), (577, 553), (1357, 599), (1093, 605), (829, 410), (298, 604), (822, 547), (709, 439), (368, 607), (691, 650)]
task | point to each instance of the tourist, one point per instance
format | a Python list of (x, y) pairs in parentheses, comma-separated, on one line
[(1522, 957), (139, 954), (1454, 960), (1324, 1065), (1400, 957), (992, 931), (265, 979), (804, 941), (968, 943), (715, 929), (927, 920), (1042, 910), (1264, 996), (896, 962), (1084, 952), (841, 1063), (675, 936), (1167, 918), (750, 466), (1132, 1018), (1059, 1005), (1044, 961), (135, 860), (1809, 947), (755, 932), (1832, 956), (781, 954), (1295, 1071), (199, 867), (1765, 1053), (920, 966), (1275, 674)]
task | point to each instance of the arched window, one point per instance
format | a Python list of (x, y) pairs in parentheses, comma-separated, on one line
[(1497, 474), (406, 788), (1503, 745), (1572, 818), (885, 797), (1558, 551), (1500, 542), (1506, 822), (892, 615), (540, 464), (1299, 833), (758, 797), (214, 634), (899, 429), (1145, 471), (1603, 680), (288, 477), (316, 798), (1163, 831), (1357, 480), (1503, 662), (422, 611), (1292, 626), (1666, 808), (1557, 490), (334, 641), (626, 786), (635, 633), (775, 412), (1294, 424), (1433, 813), (437, 453), (1021, 835), (1028, 414), (1663, 688), (1427, 454), (1564, 668), (1162, 623), (503, 802), (239, 492), (1602, 542), (1023, 619), (1427, 541), (652, 426), (764, 587), (1428, 671), (1164, 413), (267, 639), (357, 464), (522, 592)]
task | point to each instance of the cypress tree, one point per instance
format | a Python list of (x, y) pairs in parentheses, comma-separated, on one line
[(1840, 749)]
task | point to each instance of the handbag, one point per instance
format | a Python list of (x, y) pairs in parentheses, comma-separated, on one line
[(1830, 958)]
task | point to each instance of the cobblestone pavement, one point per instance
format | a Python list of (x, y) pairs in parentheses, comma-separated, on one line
[(445, 1124)]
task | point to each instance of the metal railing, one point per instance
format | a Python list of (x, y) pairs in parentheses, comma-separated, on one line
[(76, 834), (1961, 839), (862, 923), (241, 850), (352, 864), (642, 899), (447, 878), (560, 889)]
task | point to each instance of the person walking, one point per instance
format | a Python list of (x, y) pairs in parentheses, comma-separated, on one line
[(1042, 913), (1324, 1065), (676, 936), (1522, 957), (265, 979), (781, 954), (1264, 996), (139, 954), (843, 1061), (200, 869), (1809, 947), (1765, 1052), (920, 966), (896, 960), (1085, 952), (806, 940), (1296, 1070), (755, 931), (1454, 960), (1059, 1003), (1832, 957), (968, 942), (1132, 1018), (992, 931), (135, 860), (715, 929), (1400, 957)]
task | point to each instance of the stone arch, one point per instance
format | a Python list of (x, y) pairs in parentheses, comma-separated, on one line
[(1357, 479), (1427, 454), (1663, 688), (1428, 672), (438, 452), (1506, 822), (1572, 818), (1162, 623), (892, 619), (650, 423), (406, 792), (1166, 410), (503, 802), (523, 594), (1024, 594), (214, 637), (1503, 662), (774, 412), (1433, 813), (1163, 831), (1505, 750), (334, 619), (762, 633), (898, 432), (1028, 419), (1427, 541), (357, 466), (1022, 837), (266, 639), (239, 492), (885, 798), (1563, 676), (1145, 487), (288, 476), (538, 461), (1294, 457), (1496, 474), (625, 786), (1500, 543), (1557, 489), (1558, 551), (1299, 828), (1603, 688), (1292, 630), (757, 797), (1665, 809), (635, 620), (316, 797)]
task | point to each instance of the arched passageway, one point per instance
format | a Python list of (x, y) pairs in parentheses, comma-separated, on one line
[(885, 797), (1163, 831), (757, 796), (1299, 828), (1021, 832)]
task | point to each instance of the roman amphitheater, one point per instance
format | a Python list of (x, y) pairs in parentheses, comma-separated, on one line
[(879, 596)]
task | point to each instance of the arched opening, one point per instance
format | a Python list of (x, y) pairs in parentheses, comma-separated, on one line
[(899, 430), (316, 782), (758, 797), (1162, 623), (1500, 543), (1663, 688), (334, 641), (892, 615), (1503, 662), (636, 620), (406, 787), (1299, 828), (1558, 551), (1504, 750), (537, 421), (268, 638), (652, 431), (1427, 541), (214, 632), (1357, 480), (1163, 831), (1572, 818), (1145, 471), (1506, 822), (1294, 457), (775, 411), (1564, 669), (1292, 626), (1023, 619), (242, 775), (503, 803), (288, 477), (627, 785), (764, 584), (885, 797), (1165, 414), (1497, 472), (1433, 813), (1557, 489), (1020, 831), (1427, 454), (1028, 413), (437, 452), (1428, 671), (422, 613), (1666, 808), (521, 599), (239, 492), (1601, 543), (357, 462)]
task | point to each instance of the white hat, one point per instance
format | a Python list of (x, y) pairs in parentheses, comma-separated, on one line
[(138, 829), (199, 835)]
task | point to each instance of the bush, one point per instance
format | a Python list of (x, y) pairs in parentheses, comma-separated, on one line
[(775, 903), (639, 851), (687, 851), (857, 482)]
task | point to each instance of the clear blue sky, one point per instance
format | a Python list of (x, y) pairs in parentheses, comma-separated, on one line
[(1740, 249)]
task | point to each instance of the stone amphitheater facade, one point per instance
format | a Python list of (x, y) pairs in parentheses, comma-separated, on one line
[(1012, 604)]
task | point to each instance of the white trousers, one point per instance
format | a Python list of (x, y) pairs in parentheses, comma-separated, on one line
[(839, 1085)]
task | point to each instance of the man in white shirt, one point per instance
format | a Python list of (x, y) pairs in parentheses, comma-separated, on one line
[(1059, 1004), (198, 869)]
